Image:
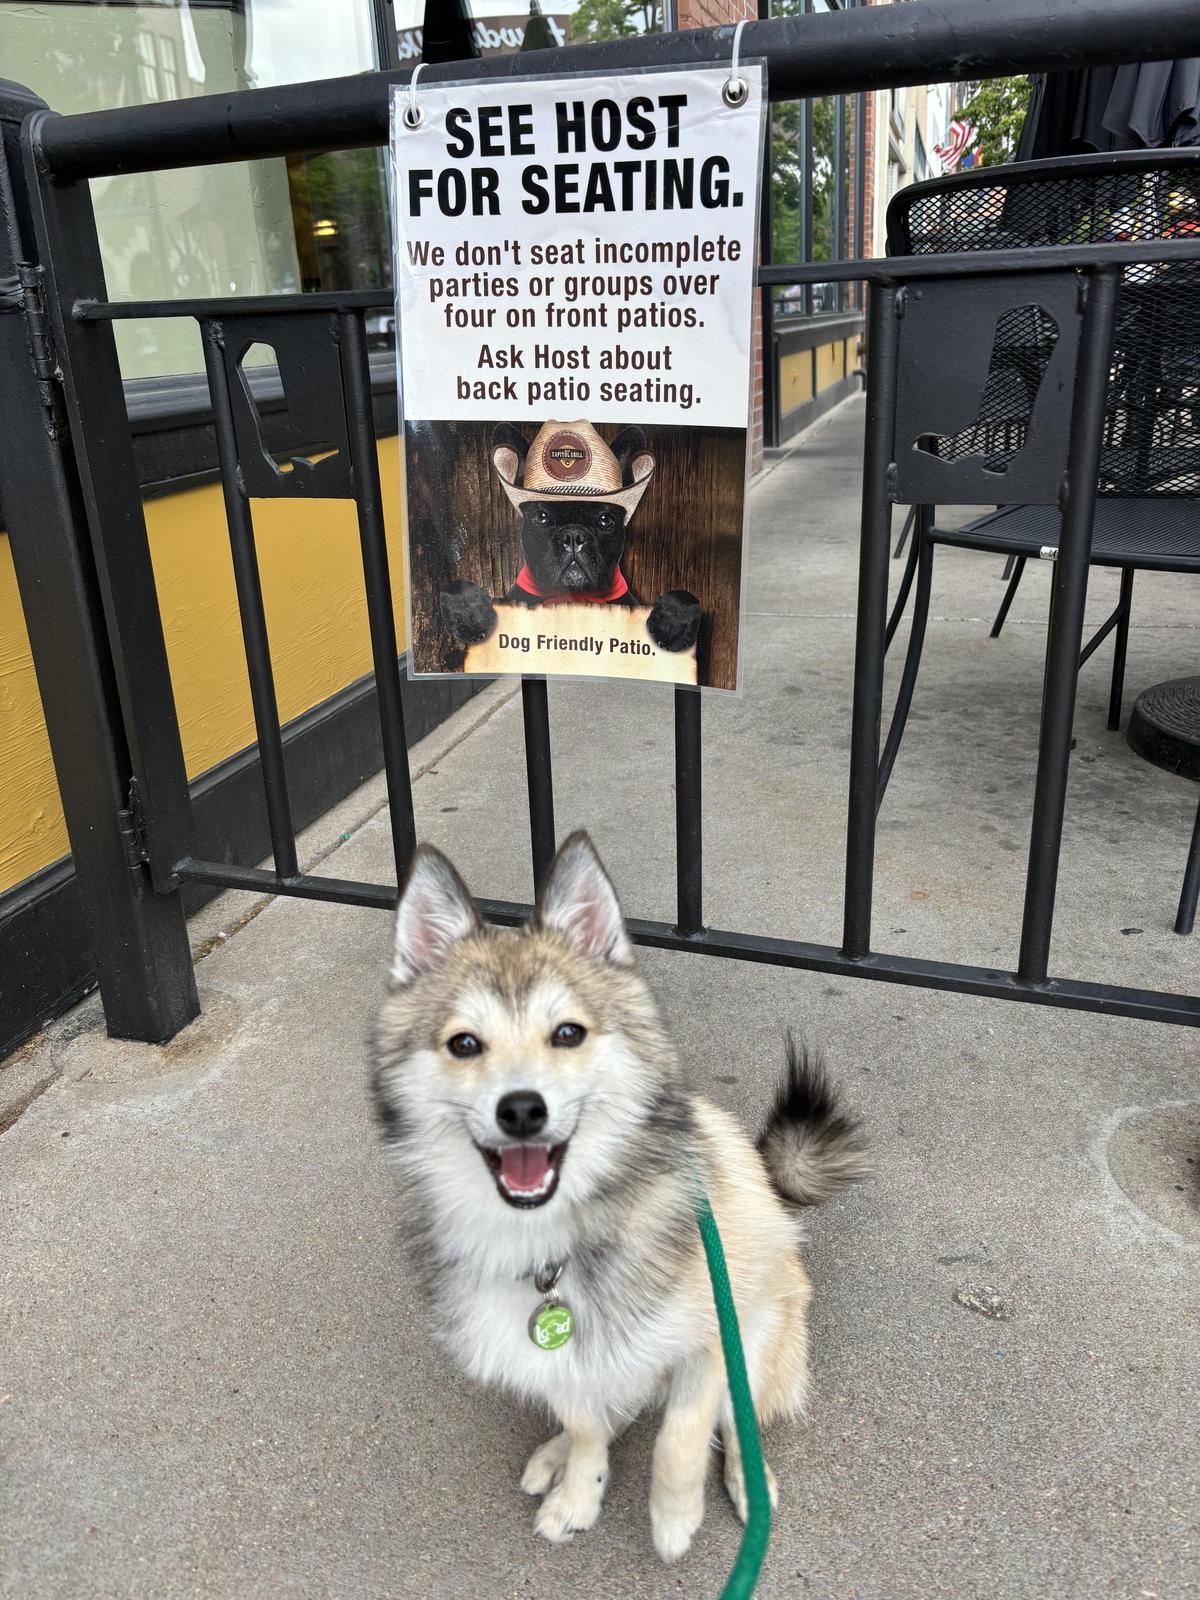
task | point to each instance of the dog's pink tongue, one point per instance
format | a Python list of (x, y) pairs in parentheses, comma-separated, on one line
[(524, 1166)]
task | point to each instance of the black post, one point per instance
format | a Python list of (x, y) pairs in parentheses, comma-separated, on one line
[(68, 249), (689, 839), (883, 340), (138, 938), (766, 295), (860, 186), (364, 458), (839, 250), (536, 707), (1067, 599)]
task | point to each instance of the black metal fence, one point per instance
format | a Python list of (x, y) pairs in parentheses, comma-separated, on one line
[(79, 539)]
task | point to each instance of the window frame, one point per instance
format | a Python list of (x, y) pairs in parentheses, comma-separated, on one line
[(807, 329), (170, 416)]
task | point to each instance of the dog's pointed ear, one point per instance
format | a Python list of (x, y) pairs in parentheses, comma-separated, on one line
[(434, 913), (628, 443), (579, 901)]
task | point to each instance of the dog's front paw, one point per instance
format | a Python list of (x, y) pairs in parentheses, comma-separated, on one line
[(569, 1509), (674, 622), (468, 612), (546, 1465), (674, 1520)]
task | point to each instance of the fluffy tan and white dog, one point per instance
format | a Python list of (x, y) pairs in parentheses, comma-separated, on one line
[(549, 1150)]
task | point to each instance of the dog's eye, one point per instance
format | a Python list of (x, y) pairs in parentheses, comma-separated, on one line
[(607, 519), (464, 1044), (542, 517), (568, 1034)]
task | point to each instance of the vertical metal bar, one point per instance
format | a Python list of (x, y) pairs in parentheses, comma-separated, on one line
[(1189, 894), (387, 49), (872, 617), (766, 251), (1068, 596), (250, 606), (860, 187), (806, 197), (905, 530), (837, 210), (906, 578), (138, 938), (1009, 596), (69, 252), (539, 777), (689, 819), (1120, 649), (381, 616), (923, 545)]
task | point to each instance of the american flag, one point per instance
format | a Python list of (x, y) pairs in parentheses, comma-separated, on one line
[(955, 147)]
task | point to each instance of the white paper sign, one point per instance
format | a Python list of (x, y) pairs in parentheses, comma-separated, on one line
[(575, 261), (600, 247)]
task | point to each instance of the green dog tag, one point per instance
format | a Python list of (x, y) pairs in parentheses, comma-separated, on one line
[(551, 1325)]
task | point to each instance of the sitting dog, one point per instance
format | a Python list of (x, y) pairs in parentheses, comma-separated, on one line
[(575, 495), (549, 1149)]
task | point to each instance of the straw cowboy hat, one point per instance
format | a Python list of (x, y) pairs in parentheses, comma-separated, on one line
[(569, 460)]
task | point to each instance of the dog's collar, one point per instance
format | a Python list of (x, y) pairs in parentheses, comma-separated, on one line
[(595, 597)]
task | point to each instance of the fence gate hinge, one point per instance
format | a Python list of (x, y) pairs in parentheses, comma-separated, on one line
[(133, 838), (41, 344)]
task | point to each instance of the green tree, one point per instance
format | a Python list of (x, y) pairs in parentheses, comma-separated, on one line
[(595, 21), (997, 111)]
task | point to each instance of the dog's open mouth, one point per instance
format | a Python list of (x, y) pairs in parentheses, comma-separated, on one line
[(525, 1174)]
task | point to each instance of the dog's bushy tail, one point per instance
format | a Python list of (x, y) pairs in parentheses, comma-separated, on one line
[(810, 1145)]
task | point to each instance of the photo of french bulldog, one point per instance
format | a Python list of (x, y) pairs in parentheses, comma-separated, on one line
[(568, 547), (575, 496)]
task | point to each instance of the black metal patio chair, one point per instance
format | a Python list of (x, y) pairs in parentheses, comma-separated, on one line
[(1148, 514)]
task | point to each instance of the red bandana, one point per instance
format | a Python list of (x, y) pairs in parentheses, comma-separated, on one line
[(595, 597)]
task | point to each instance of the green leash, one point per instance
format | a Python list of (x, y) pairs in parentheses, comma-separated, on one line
[(753, 1548)]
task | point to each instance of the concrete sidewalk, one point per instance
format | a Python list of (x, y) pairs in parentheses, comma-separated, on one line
[(216, 1378)]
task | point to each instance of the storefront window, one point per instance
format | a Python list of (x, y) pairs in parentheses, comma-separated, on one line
[(813, 204), (256, 227), (502, 29)]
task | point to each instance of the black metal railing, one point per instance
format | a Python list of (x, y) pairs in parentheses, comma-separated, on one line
[(79, 537)]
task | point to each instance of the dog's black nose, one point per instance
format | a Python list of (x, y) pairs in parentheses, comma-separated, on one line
[(521, 1114)]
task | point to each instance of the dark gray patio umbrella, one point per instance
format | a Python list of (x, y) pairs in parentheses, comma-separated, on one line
[(1155, 105), (1065, 115), (1148, 106)]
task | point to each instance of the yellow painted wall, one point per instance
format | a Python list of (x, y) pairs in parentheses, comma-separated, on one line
[(795, 380), (32, 832), (831, 364), (311, 567)]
